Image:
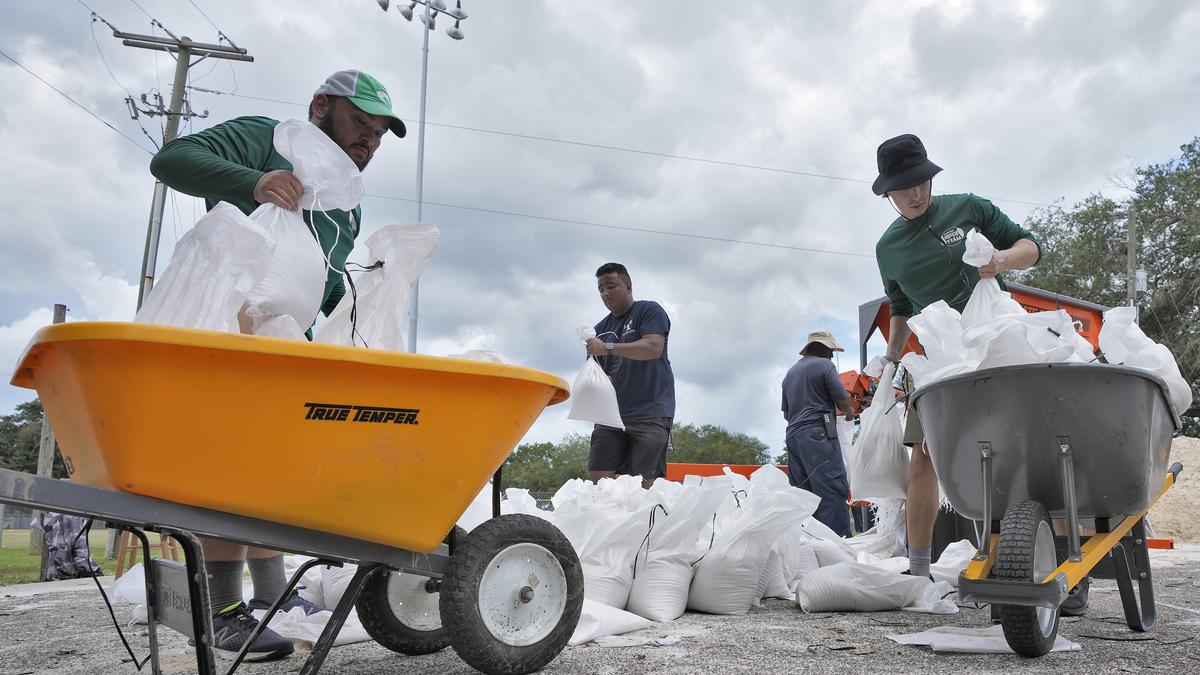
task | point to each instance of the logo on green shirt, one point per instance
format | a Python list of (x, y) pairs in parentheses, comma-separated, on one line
[(952, 236)]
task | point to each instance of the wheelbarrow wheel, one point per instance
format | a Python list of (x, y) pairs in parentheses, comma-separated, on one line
[(400, 611), (1026, 553), (512, 595)]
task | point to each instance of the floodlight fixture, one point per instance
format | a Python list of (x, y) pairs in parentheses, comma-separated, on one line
[(457, 12), (384, 4), (455, 32), (407, 12)]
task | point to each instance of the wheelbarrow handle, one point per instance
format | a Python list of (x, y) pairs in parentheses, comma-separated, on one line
[(1175, 470)]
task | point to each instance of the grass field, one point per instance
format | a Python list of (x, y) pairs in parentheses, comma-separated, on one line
[(17, 566)]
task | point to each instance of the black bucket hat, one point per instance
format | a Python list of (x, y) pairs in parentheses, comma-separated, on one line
[(903, 164)]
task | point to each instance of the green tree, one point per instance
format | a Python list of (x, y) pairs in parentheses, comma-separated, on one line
[(544, 467), (1084, 255), (711, 444), (20, 438)]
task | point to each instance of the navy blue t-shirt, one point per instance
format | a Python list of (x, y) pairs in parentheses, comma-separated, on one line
[(810, 389), (645, 389)]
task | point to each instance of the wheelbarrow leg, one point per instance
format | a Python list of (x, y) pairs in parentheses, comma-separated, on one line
[(193, 558), (1133, 546), (151, 597), (985, 463), (324, 643), (1067, 464)]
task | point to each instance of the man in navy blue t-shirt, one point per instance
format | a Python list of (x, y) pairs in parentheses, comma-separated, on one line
[(811, 391), (631, 346)]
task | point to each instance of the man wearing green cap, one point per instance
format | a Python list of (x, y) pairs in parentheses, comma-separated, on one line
[(236, 162)]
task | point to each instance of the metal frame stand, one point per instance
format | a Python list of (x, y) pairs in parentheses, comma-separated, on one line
[(137, 515)]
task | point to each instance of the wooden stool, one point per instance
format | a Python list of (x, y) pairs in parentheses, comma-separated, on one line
[(129, 547)]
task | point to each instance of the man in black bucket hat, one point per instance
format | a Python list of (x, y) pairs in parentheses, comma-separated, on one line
[(920, 261)]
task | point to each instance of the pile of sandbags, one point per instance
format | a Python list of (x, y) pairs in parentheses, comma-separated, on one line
[(993, 330)]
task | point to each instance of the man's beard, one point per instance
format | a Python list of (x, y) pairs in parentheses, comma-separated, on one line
[(326, 125)]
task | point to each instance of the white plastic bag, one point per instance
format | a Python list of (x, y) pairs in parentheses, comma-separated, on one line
[(294, 280), (860, 587), (593, 398), (598, 620), (880, 461), (730, 578), (1123, 341), (214, 268), (663, 565), (978, 249), (605, 523), (375, 314)]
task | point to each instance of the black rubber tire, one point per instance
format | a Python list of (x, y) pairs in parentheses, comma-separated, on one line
[(468, 633), (380, 621), (1015, 562)]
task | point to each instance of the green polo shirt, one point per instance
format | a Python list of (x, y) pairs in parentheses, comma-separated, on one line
[(223, 164), (920, 260)]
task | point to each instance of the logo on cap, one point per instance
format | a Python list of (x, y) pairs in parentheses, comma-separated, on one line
[(383, 96)]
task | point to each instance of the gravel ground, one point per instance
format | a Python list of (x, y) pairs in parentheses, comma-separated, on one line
[(64, 628)]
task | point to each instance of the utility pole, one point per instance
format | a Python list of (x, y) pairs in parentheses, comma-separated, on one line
[(185, 49), (45, 467), (1131, 287)]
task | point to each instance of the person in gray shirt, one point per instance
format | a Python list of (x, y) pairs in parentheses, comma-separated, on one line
[(811, 391)]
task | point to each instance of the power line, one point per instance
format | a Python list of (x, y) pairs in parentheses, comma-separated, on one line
[(644, 230), (96, 17), (635, 151), (210, 21), (77, 103)]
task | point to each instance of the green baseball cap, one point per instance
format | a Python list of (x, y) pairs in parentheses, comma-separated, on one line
[(365, 92)]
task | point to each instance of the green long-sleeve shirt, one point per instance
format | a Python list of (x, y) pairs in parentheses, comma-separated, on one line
[(920, 260), (223, 164)]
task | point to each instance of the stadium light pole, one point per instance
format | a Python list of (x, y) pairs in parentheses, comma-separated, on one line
[(432, 8)]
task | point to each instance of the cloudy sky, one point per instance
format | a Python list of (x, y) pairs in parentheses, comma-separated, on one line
[(566, 134)]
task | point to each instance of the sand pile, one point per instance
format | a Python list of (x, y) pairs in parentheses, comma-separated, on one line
[(1176, 514)]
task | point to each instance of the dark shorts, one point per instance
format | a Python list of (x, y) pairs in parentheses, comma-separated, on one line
[(639, 450)]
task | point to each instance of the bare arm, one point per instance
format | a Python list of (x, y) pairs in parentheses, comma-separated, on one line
[(847, 409), (1022, 255), (898, 332), (646, 349)]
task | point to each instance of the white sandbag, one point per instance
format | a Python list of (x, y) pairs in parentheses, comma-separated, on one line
[(281, 327), (860, 587), (1120, 336), (214, 268), (987, 304), (593, 398), (939, 329), (518, 500), (1042, 337), (598, 620), (952, 562), (606, 525), (1122, 341), (479, 510), (375, 314), (978, 250), (664, 564), (829, 553), (845, 439), (294, 281), (879, 466), (728, 579)]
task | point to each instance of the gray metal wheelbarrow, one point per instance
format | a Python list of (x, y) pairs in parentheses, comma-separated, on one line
[(1016, 445)]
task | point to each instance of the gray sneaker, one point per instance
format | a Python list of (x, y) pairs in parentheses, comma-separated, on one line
[(231, 627), (294, 600)]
